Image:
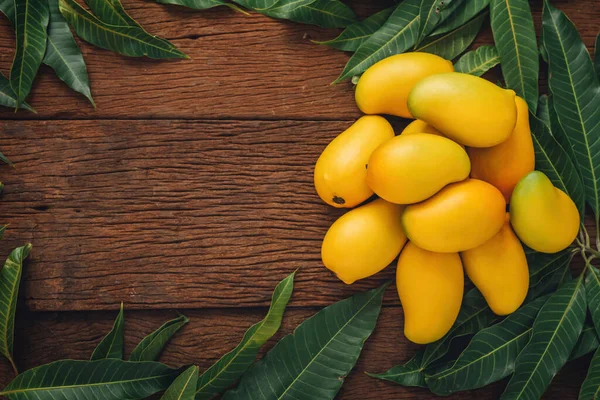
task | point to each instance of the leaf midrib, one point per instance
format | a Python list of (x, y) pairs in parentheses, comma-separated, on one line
[(482, 65), (516, 45), (451, 33), (186, 384), (7, 314)]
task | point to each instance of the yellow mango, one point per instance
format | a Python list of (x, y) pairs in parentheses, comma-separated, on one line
[(499, 270), (340, 173), (418, 126), (543, 216), (384, 87), (468, 109), (506, 163), (459, 217), (409, 169), (430, 286), (364, 241)]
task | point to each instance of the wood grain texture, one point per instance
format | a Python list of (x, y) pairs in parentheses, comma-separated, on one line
[(211, 333), (241, 67)]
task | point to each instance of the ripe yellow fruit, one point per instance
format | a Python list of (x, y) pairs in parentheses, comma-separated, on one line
[(430, 286), (418, 126), (341, 171), (460, 217), (543, 216), (409, 169), (499, 270), (384, 87), (467, 109), (506, 163), (364, 241)]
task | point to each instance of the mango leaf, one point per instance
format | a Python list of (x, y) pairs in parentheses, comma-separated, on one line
[(430, 15), (184, 387), (232, 365), (356, 34), (31, 22), (317, 356), (514, 35), (397, 35), (2, 228), (592, 292), (201, 4), (574, 86), (409, 374), (127, 40), (477, 62), (453, 44), (108, 379), (545, 271), (460, 15), (10, 278), (543, 112), (7, 7), (552, 159), (63, 54), (587, 342), (112, 346), (555, 332), (590, 390), (597, 56), (8, 98), (5, 160), (491, 354), (474, 315), (150, 347)]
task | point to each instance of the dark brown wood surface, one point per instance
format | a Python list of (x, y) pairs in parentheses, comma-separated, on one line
[(190, 187)]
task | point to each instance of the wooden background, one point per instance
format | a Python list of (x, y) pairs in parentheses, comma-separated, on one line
[(190, 188)]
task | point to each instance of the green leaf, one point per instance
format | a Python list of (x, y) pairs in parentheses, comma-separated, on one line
[(590, 390), (543, 112), (574, 86), (397, 35), (63, 54), (460, 15), (150, 347), (5, 160), (430, 16), (317, 356), (201, 4), (8, 98), (474, 315), (545, 271), (10, 278), (453, 44), (127, 40), (2, 228), (587, 342), (478, 61), (491, 354), (7, 7), (555, 332), (108, 379), (597, 56), (514, 35), (31, 21), (112, 344), (409, 374), (184, 387), (111, 12), (592, 291), (552, 159), (232, 365), (356, 34)]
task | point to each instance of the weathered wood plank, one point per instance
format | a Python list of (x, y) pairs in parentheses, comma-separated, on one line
[(241, 67), (45, 337)]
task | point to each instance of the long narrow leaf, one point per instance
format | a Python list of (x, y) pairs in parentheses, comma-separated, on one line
[(184, 387), (587, 342), (3, 227), (543, 112), (10, 278), (597, 56), (430, 15), (112, 346), (232, 365), (397, 35), (111, 12), (7, 7), (514, 35), (201, 4), (574, 86), (477, 62), (8, 98), (460, 15), (108, 379), (590, 390), (555, 332), (150, 347), (31, 22), (317, 356), (410, 373), (544, 271), (592, 291)]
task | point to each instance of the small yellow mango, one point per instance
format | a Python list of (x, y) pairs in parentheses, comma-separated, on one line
[(409, 169), (459, 217), (430, 286), (418, 126), (543, 216), (341, 171), (506, 163), (467, 109), (364, 241), (384, 87), (499, 270)]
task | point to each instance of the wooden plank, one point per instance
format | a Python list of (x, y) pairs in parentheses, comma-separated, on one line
[(46, 337), (241, 67)]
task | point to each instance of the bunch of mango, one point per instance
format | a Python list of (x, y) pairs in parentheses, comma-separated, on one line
[(455, 192)]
